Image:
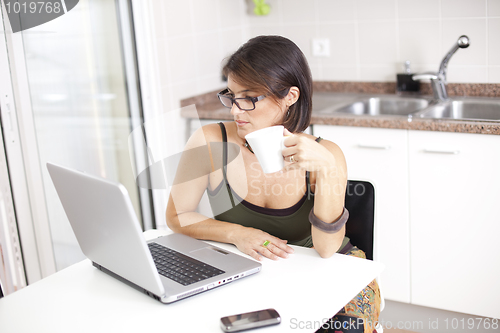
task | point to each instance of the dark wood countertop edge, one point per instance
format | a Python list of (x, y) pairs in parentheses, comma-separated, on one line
[(435, 125), (453, 89)]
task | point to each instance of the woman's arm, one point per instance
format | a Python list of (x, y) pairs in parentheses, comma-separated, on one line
[(191, 181), (329, 198), (328, 169)]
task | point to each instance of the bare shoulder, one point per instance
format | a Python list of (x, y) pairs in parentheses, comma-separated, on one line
[(331, 146), (205, 134)]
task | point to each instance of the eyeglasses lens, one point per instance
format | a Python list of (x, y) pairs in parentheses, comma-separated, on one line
[(226, 101), (242, 103)]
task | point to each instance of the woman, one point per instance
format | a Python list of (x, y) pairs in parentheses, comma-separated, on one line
[(268, 83)]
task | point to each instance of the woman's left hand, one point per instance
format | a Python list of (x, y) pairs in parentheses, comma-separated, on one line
[(304, 153)]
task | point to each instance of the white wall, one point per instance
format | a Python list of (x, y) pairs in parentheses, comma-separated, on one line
[(371, 39), (192, 39)]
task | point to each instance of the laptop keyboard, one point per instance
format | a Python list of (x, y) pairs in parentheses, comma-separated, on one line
[(179, 267)]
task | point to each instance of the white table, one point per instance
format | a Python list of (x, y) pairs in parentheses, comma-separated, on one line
[(304, 289)]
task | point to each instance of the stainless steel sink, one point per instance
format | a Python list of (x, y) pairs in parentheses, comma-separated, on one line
[(390, 105), (464, 110), (475, 108), (327, 103)]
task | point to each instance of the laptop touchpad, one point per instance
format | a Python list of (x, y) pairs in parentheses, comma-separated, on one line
[(209, 253)]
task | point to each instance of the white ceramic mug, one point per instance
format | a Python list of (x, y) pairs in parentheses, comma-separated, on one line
[(267, 145)]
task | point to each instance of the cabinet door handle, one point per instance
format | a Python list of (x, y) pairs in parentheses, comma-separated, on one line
[(436, 151), (384, 147)]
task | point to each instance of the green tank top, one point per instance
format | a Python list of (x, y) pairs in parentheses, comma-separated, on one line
[(290, 223)]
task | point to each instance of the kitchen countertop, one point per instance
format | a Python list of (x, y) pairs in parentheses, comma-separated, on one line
[(208, 107)]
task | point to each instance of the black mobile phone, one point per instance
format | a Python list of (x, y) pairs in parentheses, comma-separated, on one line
[(249, 320)]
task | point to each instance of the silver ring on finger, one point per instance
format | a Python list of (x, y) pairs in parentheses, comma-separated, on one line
[(292, 159)]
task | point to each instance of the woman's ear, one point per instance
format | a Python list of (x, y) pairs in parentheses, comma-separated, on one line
[(292, 96)]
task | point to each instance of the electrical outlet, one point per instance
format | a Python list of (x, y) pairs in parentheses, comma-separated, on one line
[(321, 47)]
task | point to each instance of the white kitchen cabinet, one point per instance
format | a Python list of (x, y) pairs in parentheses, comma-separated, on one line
[(455, 221), (380, 156)]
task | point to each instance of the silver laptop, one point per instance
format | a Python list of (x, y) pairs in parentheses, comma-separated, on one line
[(168, 268)]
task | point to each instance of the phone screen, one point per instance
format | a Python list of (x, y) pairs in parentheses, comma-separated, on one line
[(249, 320)]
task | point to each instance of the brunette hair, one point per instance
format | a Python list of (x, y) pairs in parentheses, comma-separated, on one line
[(272, 65)]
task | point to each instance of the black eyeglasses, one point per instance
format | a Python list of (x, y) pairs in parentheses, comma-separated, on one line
[(244, 103)]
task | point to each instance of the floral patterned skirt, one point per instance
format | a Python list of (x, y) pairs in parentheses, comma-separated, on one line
[(361, 313)]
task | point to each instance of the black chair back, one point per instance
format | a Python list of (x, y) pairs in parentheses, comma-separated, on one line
[(360, 202)]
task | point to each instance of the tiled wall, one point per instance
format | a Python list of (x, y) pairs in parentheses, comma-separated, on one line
[(369, 39), (192, 37)]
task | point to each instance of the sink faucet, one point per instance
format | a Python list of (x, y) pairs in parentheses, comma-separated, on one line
[(438, 80)]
